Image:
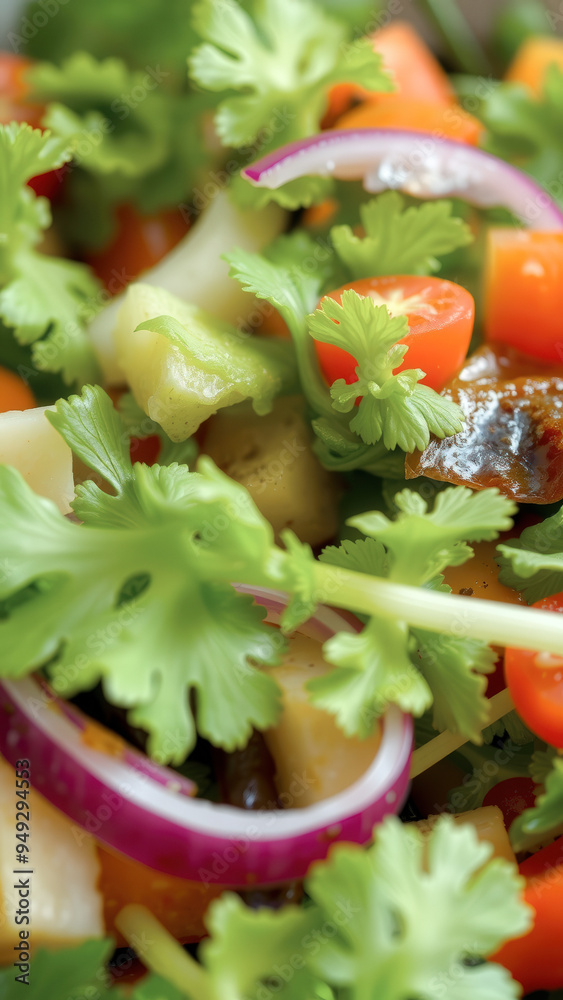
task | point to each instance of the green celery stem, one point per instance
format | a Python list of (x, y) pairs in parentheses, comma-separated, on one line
[(490, 621), (161, 953)]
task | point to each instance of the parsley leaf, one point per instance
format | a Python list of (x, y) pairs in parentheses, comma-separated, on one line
[(454, 669), (545, 816), (75, 94), (421, 543), (399, 240), (136, 32), (416, 912), (291, 275), (412, 912), (413, 668), (393, 408), (406, 917), (374, 670), (186, 533), (134, 137), (526, 130), (46, 301), (339, 449), (533, 563), (67, 974), (247, 946), (280, 63)]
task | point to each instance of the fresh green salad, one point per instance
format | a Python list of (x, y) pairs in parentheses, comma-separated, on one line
[(281, 472)]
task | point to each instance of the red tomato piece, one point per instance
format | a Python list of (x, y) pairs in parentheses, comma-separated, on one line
[(139, 243), (536, 960), (535, 681), (440, 316), (524, 291), (512, 796)]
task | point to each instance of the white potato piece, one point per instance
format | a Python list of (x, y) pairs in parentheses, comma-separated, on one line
[(313, 757), (66, 906), (271, 455), (488, 823), (195, 272), (34, 448)]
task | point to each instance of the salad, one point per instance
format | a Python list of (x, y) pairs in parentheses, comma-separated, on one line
[(281, 471)]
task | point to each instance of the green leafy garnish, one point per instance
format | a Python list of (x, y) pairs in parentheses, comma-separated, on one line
[(526, 130), (44, 300), (394, 408), (545, 817), (402, 918), (128, 137), (429, 908), (387, 662), (281, 62), (136, 32), (341, 450), (291, 275), (134, 137), (399, 240), (68, 974), (185, 627), (533, 563)]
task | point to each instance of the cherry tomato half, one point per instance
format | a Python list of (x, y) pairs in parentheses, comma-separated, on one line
[(535, 681), (440, 316)]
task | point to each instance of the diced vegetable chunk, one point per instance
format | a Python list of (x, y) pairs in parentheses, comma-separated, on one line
[(524, 291), (314, 759), (488, 823), (272, 457), (183, 365), (66, 905), (532, 60), (398, 112), (34, 448)]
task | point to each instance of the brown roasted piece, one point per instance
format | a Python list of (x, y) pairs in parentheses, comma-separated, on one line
[(512, 437)]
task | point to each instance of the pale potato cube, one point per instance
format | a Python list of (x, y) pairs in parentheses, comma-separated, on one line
[(271, 455), (37, 450), (314, 759), (66, 906), (488, 823), (195, 271)]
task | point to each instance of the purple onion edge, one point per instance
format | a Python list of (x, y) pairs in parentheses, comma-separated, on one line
[(167, 846), (255, 171)]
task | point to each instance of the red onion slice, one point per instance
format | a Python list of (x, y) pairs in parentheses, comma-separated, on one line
[(147, 814), (421, 165)]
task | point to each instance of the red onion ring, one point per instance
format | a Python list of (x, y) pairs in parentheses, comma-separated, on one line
[(145, 812), (421, 165)]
